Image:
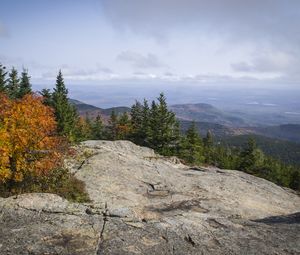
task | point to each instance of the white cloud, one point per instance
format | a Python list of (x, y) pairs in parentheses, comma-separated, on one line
[(271, 62), (140, 61)]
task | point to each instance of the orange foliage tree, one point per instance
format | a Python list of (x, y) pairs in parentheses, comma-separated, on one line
[(28, 145)]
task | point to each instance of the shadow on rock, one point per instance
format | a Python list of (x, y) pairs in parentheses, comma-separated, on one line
[(282, 219)]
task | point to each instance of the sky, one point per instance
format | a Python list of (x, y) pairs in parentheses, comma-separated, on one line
[(199, 42)]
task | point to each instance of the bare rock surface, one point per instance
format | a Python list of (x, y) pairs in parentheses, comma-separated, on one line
[(143, 203)]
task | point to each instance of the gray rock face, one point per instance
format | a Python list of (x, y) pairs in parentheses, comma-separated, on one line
[(147, 204)]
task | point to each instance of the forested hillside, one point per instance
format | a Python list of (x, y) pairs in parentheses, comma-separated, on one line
[(285, 151)]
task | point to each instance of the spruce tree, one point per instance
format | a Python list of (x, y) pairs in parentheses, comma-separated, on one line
[(65, 113), (163, 134), (145, 125), (113, 126), (47, 95), (208, 148), (25, 86), (13, 84), (248, 157), (3, 80), (191, 147), (97, 128), (140, 122)]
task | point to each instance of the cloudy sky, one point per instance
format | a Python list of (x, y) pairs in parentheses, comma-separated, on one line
[(180, 41)]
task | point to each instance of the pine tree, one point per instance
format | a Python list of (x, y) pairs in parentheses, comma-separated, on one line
[(145, 127), (191, 148), (25, 86), (208, 140), (3, 80), (65, 113), (295, 179), (248, 157), (163, 133), (13, 84), (88, 127), (140, 117), (97, 128), (113, 126), (136, 123), (208, 148), (47, 95)]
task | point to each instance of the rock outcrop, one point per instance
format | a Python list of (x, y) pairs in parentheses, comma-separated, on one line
[(143, 203)]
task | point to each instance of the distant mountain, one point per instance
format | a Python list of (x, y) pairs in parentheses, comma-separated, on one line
[(92, 111), (206, 113), (289, 132), (207, 117), (218, 130)]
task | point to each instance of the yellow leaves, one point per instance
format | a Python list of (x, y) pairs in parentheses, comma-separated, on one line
[(5, 174), (27, 143)]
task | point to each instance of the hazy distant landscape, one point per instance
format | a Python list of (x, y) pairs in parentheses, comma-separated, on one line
[(253, 106), (149, 127)]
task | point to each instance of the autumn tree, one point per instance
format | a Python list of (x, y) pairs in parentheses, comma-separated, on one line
[(123, 126), (83, 129), (28, 145)]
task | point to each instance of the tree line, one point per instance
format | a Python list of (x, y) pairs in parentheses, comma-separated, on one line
[(152, 125)]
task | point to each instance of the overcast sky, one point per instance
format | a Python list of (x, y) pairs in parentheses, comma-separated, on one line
[(196, 41)]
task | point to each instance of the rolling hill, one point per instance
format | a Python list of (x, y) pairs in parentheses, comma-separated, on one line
[(92, 111), (290, 132), (206, 113)]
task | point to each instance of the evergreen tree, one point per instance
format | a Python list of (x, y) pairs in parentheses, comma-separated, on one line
[(225, 158), (97, 128), (140, 122), (113, 126), (47, 95), (3, 80), (208, 140), (65, 113), (13, 84), (88, 127), (163, 133), (25, 86), (191, 148), (136, 123), (145, 127), (209, 148), (251, 158), (295, 179)]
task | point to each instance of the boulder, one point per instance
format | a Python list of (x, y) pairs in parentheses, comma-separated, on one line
[(143, 203)]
